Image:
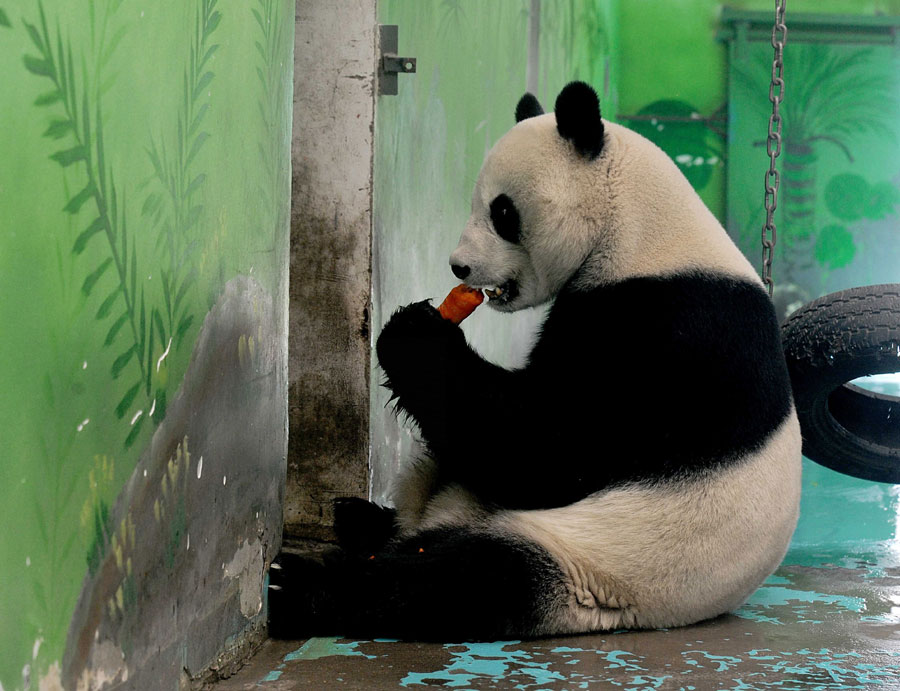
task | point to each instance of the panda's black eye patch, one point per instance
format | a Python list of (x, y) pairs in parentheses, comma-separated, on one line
[(505, 218)]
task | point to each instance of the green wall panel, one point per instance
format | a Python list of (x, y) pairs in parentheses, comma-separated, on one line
[(670, 63), (144, 166), (840, 179)]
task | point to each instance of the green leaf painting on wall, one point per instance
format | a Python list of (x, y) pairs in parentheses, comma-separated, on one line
[(171, 207), (270, 35), (840, 127), (677, 128), (131, 204), (850, 197), (834, 247), (146, 327), (76, 99)]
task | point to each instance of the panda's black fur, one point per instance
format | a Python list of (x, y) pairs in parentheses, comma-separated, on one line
[(674, 354), (578, 119), (597, 489)]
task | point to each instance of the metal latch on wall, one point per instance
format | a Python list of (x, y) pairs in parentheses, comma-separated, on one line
[(391, 63)]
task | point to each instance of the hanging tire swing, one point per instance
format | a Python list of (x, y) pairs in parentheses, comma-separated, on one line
[(834, 340), (828, 343)]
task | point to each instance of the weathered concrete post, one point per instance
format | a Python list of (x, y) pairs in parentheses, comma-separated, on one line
[(330, 268)]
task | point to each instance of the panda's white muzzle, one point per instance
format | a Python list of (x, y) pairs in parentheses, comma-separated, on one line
[(486, 262)]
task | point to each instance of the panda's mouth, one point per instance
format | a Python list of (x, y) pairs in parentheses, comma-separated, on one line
[(503, 293)]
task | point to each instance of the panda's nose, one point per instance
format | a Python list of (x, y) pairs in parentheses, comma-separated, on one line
[(460, 271)]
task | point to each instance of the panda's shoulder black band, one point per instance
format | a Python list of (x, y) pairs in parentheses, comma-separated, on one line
[(675, 376)]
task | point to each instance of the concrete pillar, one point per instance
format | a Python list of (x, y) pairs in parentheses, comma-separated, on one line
[(330, 267)]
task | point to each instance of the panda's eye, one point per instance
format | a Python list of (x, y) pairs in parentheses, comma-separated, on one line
[(505, 218)]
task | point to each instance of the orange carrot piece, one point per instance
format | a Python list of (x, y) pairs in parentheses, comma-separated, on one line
[(460, 303)]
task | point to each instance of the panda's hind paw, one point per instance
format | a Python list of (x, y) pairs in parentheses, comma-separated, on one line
[(410, 342), (362, 527), (298, 598)]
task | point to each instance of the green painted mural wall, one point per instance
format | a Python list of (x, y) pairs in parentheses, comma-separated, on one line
[(840, 188), (144, 193), (668, 51)]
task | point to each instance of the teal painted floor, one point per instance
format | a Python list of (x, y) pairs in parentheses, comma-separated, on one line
[(829, 618)]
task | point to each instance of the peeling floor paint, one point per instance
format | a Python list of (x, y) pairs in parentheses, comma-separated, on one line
[(316, 648), (471, 661), (494, 666), (542, 665), (769, 596)]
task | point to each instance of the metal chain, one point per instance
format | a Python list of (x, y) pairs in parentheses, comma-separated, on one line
[(773, 144)]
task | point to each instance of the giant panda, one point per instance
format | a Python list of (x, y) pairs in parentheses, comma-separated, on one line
[(641, 470)]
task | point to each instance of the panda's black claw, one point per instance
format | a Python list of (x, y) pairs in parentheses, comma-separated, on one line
[(287, 564), (298, 597), (281, 624)]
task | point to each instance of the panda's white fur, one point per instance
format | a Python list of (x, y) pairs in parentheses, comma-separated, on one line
[(645, 554)]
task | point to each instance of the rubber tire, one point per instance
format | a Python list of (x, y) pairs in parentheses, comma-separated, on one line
[(829, 342)]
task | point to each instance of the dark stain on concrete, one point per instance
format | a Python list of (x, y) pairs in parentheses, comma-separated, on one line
[(199, 520), (328, 357)]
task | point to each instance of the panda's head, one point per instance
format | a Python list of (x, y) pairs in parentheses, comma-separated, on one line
[(535, 206)]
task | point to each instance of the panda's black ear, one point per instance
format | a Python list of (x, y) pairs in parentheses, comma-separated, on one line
[(528, 107), (578, 118)]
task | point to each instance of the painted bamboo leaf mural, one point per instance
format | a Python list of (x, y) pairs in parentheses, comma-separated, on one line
[(172, 207), (104, 40), (62, 478), (80, 133), (268, 69), (152, 327), (837, 98), (111, 268)]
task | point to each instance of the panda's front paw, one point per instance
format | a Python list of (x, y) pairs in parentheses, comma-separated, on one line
[(414, 337), (418, 320), (362, 527)]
